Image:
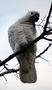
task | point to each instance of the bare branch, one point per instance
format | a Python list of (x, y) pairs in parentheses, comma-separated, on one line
[(47, 20), (34, 41), (9, 71), (42, 36), (21, 51), (44, 51), (47, 39)]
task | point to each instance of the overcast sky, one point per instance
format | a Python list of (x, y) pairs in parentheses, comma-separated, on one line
[(11, 11)]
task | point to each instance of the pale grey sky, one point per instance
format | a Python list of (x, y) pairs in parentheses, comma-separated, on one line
[(10, 11)]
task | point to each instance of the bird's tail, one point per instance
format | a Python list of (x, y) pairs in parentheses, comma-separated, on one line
[(28, 74)]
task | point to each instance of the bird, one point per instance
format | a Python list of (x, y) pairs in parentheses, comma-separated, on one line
[(20, 34)]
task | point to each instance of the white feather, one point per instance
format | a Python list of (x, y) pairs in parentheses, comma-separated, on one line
[(20, 34)]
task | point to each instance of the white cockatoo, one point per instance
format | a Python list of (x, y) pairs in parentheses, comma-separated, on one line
[(20, 34)]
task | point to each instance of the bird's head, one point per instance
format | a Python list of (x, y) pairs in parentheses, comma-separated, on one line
[(30, 17), (33, 16)]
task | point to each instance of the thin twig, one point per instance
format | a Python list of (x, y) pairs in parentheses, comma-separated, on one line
[(42, 20), (44, 59), (5, 78)]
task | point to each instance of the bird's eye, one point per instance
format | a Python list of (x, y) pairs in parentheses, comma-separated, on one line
[(31, 13)]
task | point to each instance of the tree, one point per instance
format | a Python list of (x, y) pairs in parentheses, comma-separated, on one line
[(46, 32)]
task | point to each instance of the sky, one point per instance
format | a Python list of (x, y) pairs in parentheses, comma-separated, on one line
[(10, 12)]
